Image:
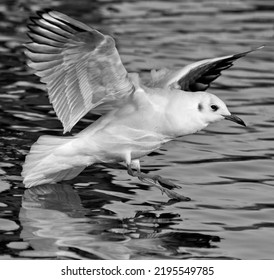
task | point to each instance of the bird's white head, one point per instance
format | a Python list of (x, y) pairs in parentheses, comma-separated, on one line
[(211, 109), (193, 111)]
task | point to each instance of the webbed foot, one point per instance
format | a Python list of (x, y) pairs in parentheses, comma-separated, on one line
[(161, 183)]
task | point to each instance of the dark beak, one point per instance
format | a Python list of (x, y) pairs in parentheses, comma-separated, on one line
[(235, 119)]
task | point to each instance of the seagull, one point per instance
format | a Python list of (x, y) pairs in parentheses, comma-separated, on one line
[(83, 72)]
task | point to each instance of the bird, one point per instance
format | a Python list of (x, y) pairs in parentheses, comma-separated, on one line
[(83, 72)]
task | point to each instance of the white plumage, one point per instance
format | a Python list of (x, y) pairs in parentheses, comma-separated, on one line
[(82, 71)]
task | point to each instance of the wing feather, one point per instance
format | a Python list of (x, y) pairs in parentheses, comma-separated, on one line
[(196, 76), (42, 48), (80, 66)]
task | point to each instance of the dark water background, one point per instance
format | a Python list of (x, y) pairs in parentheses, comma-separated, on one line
[(227, 170)]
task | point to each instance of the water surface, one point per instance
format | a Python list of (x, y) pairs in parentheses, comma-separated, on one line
[(227, 170)]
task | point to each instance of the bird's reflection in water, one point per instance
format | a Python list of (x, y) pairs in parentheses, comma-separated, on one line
[(57, 224)]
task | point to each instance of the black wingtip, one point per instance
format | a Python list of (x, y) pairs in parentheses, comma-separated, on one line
[(239, 55)]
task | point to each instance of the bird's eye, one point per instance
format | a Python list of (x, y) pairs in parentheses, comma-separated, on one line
[(214, 108)]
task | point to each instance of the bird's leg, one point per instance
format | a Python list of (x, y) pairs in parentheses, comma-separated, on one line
[(161, 183), (151, 178)]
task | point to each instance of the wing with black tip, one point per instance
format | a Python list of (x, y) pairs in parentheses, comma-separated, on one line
[(196, 76)]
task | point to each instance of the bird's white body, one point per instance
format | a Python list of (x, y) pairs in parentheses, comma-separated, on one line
[(139, 127), (149, 119), (137, 118)]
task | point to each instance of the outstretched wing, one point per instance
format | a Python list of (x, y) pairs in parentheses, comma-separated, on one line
[(79, 65), (196, 76)]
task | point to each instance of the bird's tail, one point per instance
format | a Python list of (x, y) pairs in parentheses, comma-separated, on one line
[(52, 159)]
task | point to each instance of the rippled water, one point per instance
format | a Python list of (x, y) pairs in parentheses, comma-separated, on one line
[(227, 170)]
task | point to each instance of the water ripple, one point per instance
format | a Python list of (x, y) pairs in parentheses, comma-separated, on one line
[(103, 213)]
